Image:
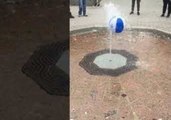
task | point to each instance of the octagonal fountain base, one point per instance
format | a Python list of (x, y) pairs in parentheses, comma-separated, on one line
[(104, 63)]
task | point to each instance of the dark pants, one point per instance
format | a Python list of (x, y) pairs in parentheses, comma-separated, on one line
[(138, 5), (82, 7), (166, 3), (97, 3)]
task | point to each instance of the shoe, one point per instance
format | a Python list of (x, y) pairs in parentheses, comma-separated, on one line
[(85, 15), (71, 16), (162, 15), (131, 13), (79, 15), (138, 13), (168, 16)]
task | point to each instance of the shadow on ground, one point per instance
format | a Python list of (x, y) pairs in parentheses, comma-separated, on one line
[(25, 26)]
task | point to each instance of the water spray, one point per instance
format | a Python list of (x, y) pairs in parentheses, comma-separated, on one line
[(116, 25)]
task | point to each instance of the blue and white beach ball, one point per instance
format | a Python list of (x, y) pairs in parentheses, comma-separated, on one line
[(116, 24)]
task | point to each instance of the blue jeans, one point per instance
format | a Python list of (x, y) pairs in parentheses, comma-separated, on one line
[(82, 7)]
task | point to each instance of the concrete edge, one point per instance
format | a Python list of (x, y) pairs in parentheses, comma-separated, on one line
[(160, 32)]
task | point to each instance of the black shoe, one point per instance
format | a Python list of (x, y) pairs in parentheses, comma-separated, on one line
[(162, 15), (131, 13), (168, 16), (71, 16), (138, 13), (85, 15)]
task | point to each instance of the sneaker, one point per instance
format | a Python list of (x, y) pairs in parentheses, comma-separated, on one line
[(131, 13), (138, 13), (162, 15)]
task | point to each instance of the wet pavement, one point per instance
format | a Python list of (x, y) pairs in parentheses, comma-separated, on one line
[(141, 94)]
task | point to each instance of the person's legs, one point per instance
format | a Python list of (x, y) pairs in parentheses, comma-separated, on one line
[(169, 8), (164, 7), (80, 7), (70, 15), (84, 8), (132, 7), (138, 7), (95, 2), (98, 3)]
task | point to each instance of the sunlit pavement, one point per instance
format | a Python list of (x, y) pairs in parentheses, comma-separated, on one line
[(141, 94), (149, 18)]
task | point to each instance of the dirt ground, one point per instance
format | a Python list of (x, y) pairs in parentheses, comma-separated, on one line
[(24, 26)]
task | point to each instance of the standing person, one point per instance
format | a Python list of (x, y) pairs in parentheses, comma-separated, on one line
[(138, 7), (97, 3), (166, 3), (82, 8)]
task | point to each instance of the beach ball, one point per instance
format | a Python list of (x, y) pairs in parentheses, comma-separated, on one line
[(116, 24)]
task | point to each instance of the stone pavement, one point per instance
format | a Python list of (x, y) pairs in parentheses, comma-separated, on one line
[(149, 18), (141, 94)]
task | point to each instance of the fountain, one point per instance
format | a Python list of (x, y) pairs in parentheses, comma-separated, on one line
[(104, 66), (112, 62), (115, 25)]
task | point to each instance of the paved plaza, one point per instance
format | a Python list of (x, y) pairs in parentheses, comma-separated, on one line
[(143, 93), (30, 31), (149, 18)]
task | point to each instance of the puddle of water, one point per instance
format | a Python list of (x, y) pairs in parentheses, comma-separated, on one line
[(110, 61)]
